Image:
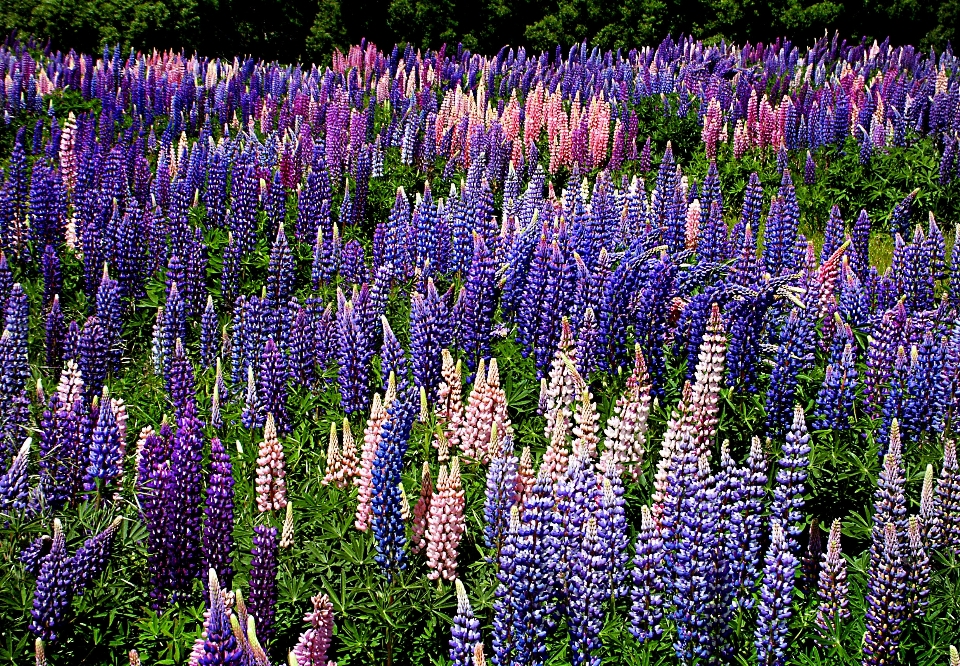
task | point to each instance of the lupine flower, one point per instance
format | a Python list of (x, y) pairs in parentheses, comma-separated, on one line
[(930, 518), (948, 496), (833, 589), (626, 430), (14, 484), (884, 600), (890, 505), (450, 401), (586, 599), (791, 477), (52, 595), (218, 646), (371, 442), (263, 579), (502, 494), (918, 571), (465, 630), (810, 563), (271, 472), (253, 415), (385, 503), (106, 450), (90, 559), (422, 510), (775, 599), (311, 649), (218, 514), (445, 523), (646, 611), (485, 424)]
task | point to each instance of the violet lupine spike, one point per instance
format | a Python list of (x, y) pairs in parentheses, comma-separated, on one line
[(14, 483), (791, 477), (219, 646), (263, 580), (890, 505), (90, 559), (51, 599), (314, 643), (209, 334), (371, 442), (271, 472), (502, 494), (833, 590), (646, 611), (776, 594), (184, 492), (253, 414), (55, 334), (465, 630), (105, 464), (218, 514), (273, 385), (885, 599)]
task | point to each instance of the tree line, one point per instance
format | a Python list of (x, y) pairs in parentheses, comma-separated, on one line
[(308, 30)]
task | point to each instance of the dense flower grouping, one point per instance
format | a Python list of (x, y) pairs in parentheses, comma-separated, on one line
[(559, 234)]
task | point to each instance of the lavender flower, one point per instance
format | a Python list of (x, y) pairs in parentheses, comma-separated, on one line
[(52, 595), (833, 590), (465, 631), (775, 597), (218, 514)]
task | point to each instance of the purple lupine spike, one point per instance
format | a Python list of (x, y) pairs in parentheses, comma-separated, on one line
[(209, 335), (253, 415), (775, 598), (153, 489), (393, 360), (302, 359), (273, 385), (646, 611), (793, 355), (791, 477), (14, 484), (90, 560), (881, 354), (884, 600), (52, 276), (231, 272), (181, 383), (263, 580), (810, 563), (476, 305), (105, 464), (809, 170), (17, 321), (218, 514), (220, 646), (890, 505), (184, 497), (174, 325), (612, 530), (429, 335), (502, 494), (55, 334), (51, 599), (93, 353), (837, 395), (833, 590), (281, 274), (588, 594), (465, 629), (860, 255), (833, 235), (32, 556), (901, 214), (109, 310)]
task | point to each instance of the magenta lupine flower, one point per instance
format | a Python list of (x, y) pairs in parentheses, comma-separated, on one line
[(311, 649), (833, 590)]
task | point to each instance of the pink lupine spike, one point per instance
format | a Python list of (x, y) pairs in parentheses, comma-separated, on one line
[(311, 649), (421, 510), (587, 426), (526, 477), (486, 423), (676, 426), (70, 387), (556, 458), (348, 453), (692, 226), (450, 400), (271, 481), (709, 375), (371, 440), (561, 390), (445, 523), (626, 431), (334, 471)]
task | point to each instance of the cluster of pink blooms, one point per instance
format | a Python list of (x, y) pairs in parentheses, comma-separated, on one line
[(445, 523), (271, 475), (341, 470)]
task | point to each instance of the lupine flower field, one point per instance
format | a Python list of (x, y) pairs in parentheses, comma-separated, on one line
[(434, 357)]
